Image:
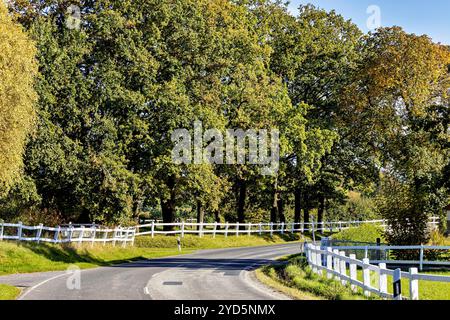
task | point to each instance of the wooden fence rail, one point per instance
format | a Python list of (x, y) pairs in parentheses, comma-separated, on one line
[(335, 264), (71, 234)]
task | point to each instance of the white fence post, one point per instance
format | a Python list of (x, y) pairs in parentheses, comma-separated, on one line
[(105, 237), (1, 230), (114, 236), (226, 229), (343, 268), (153, 228), (260, 228), (215, 229), (421, 257), (271, 229), (39, 233), (413, 284), (237, 229), (282, 228), (94, 233), (336, 264), (353, 272), (383, 279), (329, 262), (182, 229), (56, 238), (293, 227), (366, 277), (19, 231), (201, 230), (249, 229), (81, 235)]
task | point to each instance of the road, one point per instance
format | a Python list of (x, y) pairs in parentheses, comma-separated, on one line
[(224, 274)]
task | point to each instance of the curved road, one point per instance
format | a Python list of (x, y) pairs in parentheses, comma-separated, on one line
[(223, 274)]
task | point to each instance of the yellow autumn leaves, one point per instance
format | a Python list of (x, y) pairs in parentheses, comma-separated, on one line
[(18, 68)]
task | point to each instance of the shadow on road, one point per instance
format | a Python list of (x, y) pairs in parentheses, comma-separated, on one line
[(201, 263)]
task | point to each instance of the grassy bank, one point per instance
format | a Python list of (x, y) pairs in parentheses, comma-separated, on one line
[(8, 292), (296, 279), (220, 241), (31, 257)]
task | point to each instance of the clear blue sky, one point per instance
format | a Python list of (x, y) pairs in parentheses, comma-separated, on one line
[(430, 17)]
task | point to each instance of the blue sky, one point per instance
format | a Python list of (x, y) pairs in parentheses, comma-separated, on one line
[(430, 17)]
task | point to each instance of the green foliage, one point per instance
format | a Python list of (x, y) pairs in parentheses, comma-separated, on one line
[(18, 69), (365, 233), (355, 207)]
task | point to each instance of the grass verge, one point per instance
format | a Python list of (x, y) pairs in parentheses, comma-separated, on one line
[(296, 279), (31, 257), (8, 292)]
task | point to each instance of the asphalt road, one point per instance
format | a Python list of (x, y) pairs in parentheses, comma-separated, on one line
[(224, 274)]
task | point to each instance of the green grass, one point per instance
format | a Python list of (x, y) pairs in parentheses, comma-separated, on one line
[(8, 292), (220, 241), (428, 290), (364, 233), (31, 257), (296, 275), (27, 257)]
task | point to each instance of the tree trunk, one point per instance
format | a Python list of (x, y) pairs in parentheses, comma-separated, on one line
[(274, 208), (306, 213), (297, 205), (321, 209), (281, 215), (200, 214), (168, 205), (242, 189)]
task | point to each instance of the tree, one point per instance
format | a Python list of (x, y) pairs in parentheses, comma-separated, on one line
[(17, 97), (403, 78)]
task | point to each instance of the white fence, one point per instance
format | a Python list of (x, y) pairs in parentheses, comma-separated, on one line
[(335, 264), (182, 228), (71, 234), (383, 254)]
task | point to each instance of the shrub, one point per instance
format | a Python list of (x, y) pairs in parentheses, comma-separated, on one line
[(364, 233)]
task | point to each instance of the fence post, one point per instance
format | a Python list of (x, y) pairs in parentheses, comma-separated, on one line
[(114, 236), (81, 235), (353, 272), (421, 257), (329, 262), (293, 227), (1, 229), (397, 284), (366, 277), (215, 229), (343, 267), (383, 279), (70, 232), (282, 227), (271, 229), (55, 240), (19, 231), (413, 284), (237, 229), (313, 258), (94, 233), (105, 237), (249, 231), (260, 228), (182, 229), (39, 233), (200, 232), (366, 252), (226, 229), (153, 229), (340, 226), (337, 264)]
